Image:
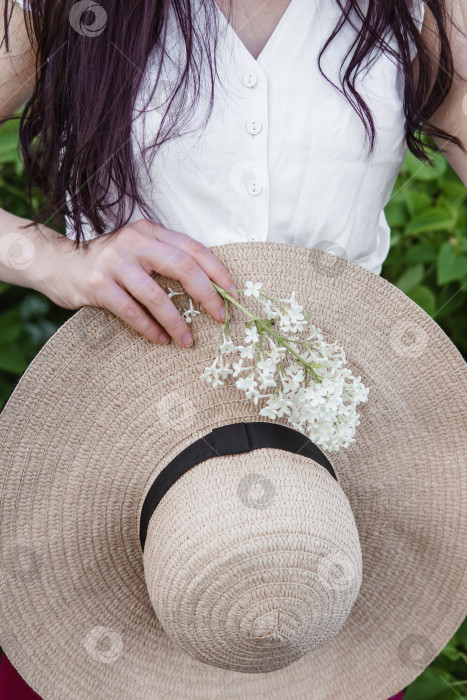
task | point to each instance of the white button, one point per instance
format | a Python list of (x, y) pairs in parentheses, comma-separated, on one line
[(250, 79), (253, 237), (254, 126), (254, 187)]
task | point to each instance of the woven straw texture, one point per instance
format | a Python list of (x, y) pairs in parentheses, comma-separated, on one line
[(101, 410)]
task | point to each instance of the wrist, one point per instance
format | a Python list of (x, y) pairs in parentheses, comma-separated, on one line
[(50, 246)]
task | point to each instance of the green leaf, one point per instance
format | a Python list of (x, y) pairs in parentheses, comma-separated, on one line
[(454, 190), (461, 634), (395, 239), (452, 208), (9, 142), (417, 202), (449, 301), (16, 192), (451, 652), (411, 277), (10, 326), (308, 316), (40, 331), (33, 305), (424, 297), (4, 286), (451, 266), (419, 171), (428, 686), (9, 332), (432, 219), (11, 360), (421, 252), (396, 213)]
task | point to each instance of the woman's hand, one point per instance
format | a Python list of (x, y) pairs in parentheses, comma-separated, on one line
[(113, 272)]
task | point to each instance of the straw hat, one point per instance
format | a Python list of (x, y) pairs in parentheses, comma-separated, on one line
[(270, 569)]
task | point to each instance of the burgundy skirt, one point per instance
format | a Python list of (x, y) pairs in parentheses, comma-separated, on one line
[(13, 687)]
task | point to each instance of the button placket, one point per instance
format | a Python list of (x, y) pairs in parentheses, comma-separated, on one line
[(255, 182)]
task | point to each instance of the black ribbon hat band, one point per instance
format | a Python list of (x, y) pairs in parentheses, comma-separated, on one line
[(227, 440)]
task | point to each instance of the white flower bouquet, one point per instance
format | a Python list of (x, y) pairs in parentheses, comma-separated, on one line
[(304, 380)]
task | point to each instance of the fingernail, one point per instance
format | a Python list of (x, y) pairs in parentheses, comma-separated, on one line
[(234, 294), (187, 339), (163, 338), (222, 313)]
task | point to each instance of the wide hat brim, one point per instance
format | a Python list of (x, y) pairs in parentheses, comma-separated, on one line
[(101, 410)]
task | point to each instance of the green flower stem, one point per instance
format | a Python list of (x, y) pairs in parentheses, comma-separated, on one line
[(274, 301), (266, 327)]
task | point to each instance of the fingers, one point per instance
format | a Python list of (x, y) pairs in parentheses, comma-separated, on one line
[(121, 279), (170, 261), (206, 260), (120, 303), (148, 292)]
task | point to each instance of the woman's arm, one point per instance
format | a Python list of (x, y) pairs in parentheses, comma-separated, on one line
[(17, 66), (452, 114)]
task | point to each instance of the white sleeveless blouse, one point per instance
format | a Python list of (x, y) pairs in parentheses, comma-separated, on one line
[(283, 156)]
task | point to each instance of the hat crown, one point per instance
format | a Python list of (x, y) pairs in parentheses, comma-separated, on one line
[(253, 560)]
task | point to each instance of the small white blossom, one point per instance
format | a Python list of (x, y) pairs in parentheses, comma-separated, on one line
[(238, 368), (209, 373), (246, 383), (246, 352), (268, 411), (224, 370), (188, 313), (276, 353), (252, 289), (172, 293), (251, 335), (267, 366), (281, 405), (266, 380), (227, 347)]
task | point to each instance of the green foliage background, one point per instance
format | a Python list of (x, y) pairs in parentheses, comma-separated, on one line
[(427, 213)]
